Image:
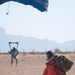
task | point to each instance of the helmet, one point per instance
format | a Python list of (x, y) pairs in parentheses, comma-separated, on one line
[(14, 48), (49, 54)]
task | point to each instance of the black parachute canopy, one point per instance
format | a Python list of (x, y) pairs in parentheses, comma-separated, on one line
[(41, 5)]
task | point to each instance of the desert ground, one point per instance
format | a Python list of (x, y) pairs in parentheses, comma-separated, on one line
[(29, 64)]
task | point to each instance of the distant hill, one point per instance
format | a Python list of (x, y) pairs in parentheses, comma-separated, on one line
[(32, 44)]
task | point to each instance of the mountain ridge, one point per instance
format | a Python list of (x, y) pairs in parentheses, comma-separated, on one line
[(27, 44)]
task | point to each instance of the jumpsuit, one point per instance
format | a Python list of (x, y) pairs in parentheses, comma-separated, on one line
[(52, 69)]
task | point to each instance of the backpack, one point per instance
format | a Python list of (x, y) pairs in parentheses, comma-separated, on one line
[(65, 64)]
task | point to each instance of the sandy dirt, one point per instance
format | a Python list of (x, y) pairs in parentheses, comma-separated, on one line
[(28, 65)]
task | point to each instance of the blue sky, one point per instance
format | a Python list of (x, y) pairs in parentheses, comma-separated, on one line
[(57, 24)]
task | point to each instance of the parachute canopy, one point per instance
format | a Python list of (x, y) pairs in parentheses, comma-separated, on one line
[(41, 5)]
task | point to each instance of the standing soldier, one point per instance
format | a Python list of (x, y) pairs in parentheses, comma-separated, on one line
[(14, 55)]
